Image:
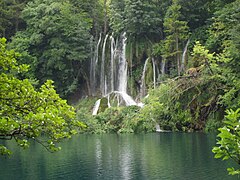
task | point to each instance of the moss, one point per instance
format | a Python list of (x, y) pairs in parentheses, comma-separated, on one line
[(103, 105)]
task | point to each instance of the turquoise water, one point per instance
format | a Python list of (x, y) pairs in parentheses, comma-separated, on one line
[(177, 156)]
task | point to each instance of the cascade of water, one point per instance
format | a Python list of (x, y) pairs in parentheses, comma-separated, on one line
[(158, 129), (143, 84), (108, 98), (125, 97), (128, 99), (91, 66), (184, 56), (163, 66), (102, 79), (154, 73), (122, 66), (116, 82), (97, 49), (105, 85), (96, 107), (112, 65), (131, 69)]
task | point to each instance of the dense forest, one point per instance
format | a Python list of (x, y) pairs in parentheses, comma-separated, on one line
[(172, 63)]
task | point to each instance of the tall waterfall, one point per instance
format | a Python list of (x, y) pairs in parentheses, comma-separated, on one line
[(112, 71), (143, 83), (103, 79), (184, 56), (154, 73), (111, 74), (93, 66), (112, 66), (163, 66), (122, 74)]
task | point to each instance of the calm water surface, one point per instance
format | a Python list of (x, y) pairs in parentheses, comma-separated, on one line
[(176, 156)]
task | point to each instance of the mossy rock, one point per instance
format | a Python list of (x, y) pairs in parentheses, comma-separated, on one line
[(103, 105)]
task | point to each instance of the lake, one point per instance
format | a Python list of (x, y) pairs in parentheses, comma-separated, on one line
[(174, 156)]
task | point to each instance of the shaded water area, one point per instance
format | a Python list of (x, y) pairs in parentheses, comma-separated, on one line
[(179, 156)]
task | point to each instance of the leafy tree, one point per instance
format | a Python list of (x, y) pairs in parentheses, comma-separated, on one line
[(117, 16), (4, 21), (10, 17), (29, 114), (58, 36), (176, 32), (142, 18), (225, 40), (229, 140), (94, 11)]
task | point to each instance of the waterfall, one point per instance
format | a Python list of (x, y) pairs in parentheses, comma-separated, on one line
[(92, 70), (97, 49), (113, 72), (184, 56), (143, 84), (115, 77), (102, 78), (96, 107), (93, 65), (122, 66), (105, 85), (128, 99), (158, 129), (154, 73), (121, 96), (163, 66), (108, 98), (112, 65)]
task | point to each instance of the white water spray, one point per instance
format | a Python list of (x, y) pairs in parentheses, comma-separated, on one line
[(112, 65), (143, 84), (122, 73), (94, 67), (96, 107), (154, 73), (91, 66), (184, 56), (114, 80), (158, 129), (102, 79), (163, 66)]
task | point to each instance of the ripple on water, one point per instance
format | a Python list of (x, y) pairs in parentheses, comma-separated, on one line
[(179, 156)]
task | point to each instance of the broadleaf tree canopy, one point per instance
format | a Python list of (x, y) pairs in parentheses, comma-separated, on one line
[(26, 113)]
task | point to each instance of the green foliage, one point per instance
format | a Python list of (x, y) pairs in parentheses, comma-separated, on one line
[(117, 16), (162, 107), (224, 40), (192, 102), (176, 32), (57, 38), (196, 13), (142, 17), (29, 114), (114, 120), (94, 11), (229, 140), (111, 120), (10, 17)]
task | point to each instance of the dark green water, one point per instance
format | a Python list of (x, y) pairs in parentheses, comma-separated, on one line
[(176, 156)]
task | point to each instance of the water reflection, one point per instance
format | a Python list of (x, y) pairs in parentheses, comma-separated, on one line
[(144, 156), (98, 156)]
